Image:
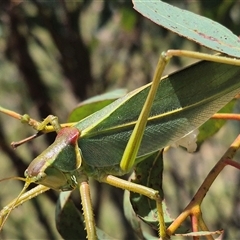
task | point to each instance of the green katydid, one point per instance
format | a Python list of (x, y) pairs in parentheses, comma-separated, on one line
[(172, 110)]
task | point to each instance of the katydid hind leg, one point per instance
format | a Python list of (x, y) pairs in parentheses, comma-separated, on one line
[(131, 150), (134, 142), (203, 56), (146, 191)]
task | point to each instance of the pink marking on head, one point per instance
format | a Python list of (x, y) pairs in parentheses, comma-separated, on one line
[(71, 134)]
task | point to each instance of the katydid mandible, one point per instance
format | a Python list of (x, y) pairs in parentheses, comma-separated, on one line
[(170, 112)]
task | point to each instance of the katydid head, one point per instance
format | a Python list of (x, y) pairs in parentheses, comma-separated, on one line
[(56, 166)]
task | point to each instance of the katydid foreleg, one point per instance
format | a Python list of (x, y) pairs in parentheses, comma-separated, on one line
[(49, 124)]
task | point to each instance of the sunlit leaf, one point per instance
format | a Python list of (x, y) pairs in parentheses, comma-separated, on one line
[(192, 26), (94, 104)]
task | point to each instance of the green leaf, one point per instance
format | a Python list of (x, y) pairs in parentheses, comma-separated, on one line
[(128, 19), (70, 221), (131, 216), (192, 26), (149, 173), (94, 104)]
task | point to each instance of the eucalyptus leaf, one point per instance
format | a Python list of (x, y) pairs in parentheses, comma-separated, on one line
[(70, 221), (197, 28), (149, 173), (94, 104)]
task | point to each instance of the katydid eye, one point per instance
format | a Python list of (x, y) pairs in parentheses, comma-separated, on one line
[(37, 178), (40, 176), (26, 173)]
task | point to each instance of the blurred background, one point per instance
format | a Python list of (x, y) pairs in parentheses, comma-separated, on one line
[(55, 54)]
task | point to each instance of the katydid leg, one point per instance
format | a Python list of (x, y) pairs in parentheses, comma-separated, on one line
[(39, 126), (87, 209), (20, 200), (203, 56), (148, 192), (53, 120), (134, 142), (131, 150)]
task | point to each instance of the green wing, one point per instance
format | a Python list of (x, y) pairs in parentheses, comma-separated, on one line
[(184, 101)]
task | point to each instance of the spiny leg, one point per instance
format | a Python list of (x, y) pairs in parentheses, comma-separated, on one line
[(87, 207), (148, 192)]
